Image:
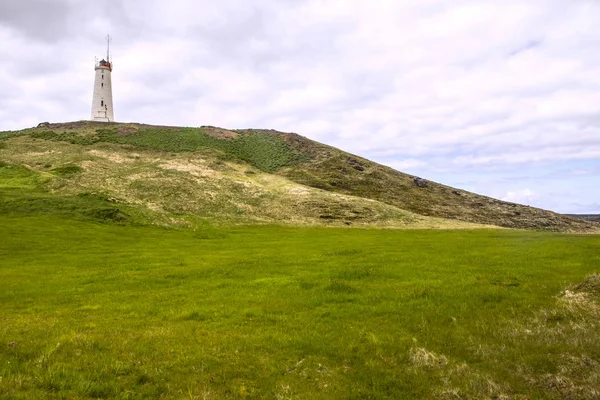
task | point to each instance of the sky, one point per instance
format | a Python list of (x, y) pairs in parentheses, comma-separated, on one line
[(497, 97)]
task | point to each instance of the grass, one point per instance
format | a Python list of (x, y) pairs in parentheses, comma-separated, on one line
[(126, 272), (95, 310), (263, 150), (182, 187), (67, 171), (21, 194)]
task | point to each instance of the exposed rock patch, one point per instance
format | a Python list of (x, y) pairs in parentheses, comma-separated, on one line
[(219, 133)]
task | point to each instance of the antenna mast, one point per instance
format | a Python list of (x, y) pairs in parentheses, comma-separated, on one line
[(108, 47)]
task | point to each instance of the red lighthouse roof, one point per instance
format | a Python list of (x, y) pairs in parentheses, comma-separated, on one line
[(104, 63)]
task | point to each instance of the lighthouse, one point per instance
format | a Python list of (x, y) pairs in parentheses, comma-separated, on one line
[(102, 102)]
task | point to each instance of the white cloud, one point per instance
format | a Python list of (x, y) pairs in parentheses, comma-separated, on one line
[(522, 196), (407, 165)]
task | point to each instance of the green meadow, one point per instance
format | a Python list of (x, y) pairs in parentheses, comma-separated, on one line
[(96, 309), (147, 264)]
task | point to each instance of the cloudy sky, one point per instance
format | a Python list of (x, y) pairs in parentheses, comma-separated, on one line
[(500, 97)]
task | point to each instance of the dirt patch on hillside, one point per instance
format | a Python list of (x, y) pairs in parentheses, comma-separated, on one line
[(89, 165), (39, 153), (124, 130), (113, 157), (219, 133), (192, 169), (299, 191)]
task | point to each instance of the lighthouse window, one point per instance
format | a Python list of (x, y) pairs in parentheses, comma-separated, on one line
[(102, 84), (102, 76), (101, 102)]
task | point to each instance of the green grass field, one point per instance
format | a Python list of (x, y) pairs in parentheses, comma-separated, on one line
[(91, 309), (140, 263)]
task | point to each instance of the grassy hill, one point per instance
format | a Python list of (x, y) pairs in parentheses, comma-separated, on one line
[(182, 176)]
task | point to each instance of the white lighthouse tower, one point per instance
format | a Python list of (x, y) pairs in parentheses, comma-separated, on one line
[(102, 102)]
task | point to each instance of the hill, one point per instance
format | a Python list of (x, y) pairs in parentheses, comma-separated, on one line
[(183, 176), (589, 217)]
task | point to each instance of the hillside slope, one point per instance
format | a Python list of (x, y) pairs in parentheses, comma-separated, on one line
[(589, 217), (334, 170), (173, 175)]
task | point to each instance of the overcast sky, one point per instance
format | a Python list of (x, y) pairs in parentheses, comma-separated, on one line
[(500, 97)]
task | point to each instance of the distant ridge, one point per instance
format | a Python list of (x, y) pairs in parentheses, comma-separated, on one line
[(588, 217), (251, 176)]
